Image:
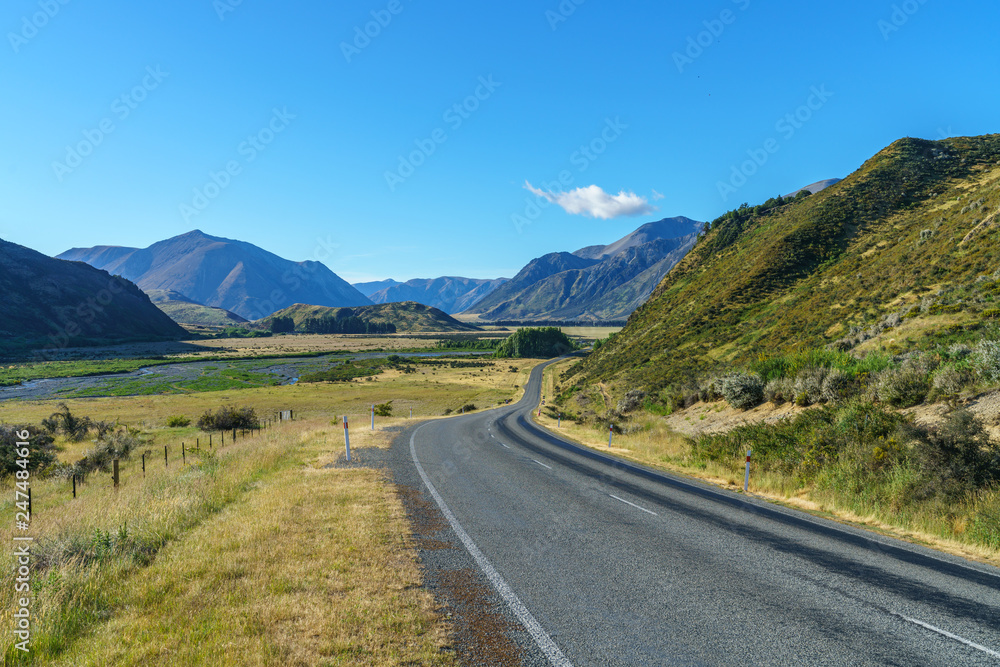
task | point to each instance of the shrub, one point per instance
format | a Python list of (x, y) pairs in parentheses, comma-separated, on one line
[(469, 407), (743, 391), (780, 391), (986, 359), (178, 421), (959, 351), (710, 390), (951, 379), (902, 388), (838, 386), (632, 401), (74, 428), (383, 409), (41, 450), (954, 458), (809, 385), (117, 445), (229, 417)]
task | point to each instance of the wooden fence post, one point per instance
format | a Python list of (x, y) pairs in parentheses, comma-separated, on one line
[(115, 473)]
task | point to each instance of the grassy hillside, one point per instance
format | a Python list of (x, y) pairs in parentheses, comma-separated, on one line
[(911, 233), (408, 316), (53, 304), (185, 311)]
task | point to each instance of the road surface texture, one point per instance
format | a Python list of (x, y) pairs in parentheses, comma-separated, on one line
[(549, 553)]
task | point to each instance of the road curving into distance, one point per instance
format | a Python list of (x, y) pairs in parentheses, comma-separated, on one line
[(604, 562)]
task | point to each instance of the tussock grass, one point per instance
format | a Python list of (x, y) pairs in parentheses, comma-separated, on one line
[(261, 552)]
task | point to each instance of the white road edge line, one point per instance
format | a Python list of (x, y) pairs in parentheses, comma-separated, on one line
[(950, 635), (533, 627), (541, 464), (633, 505)]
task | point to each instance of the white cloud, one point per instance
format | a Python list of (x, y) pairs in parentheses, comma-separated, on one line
[(594, 202), (658, 196)]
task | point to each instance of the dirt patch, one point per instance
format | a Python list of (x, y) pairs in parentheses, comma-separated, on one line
[(718, 417), (482, 632)]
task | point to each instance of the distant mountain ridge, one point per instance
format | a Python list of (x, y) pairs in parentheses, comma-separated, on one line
[(601, 282), (450, 294), (52, 304), (224, 273)]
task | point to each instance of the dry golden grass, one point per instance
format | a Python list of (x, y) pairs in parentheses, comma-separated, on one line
[(312, 566), (261, 552)]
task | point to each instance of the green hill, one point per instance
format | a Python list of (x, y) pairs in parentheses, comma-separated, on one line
[(185, 311), (407, 316), (902, 254)]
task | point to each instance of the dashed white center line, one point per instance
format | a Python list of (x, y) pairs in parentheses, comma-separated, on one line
[(633, 505), (541, 464), (507, 446)]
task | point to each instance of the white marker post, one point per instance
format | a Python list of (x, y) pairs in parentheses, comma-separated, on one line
[(373, 416), (746, 477), (611, 432), (559, 425), (411, 413), (347, 440)]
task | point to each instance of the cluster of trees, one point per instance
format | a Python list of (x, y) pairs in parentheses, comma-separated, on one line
[(542, 343), (732, 223), (332, 325)]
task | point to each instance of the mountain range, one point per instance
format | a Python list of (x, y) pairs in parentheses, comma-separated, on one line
[(53, 304), (601, 282), (223, 273), (450, 294), (900, 254)]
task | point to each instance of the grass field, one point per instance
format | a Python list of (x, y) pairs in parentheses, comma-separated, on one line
[(263, 552)]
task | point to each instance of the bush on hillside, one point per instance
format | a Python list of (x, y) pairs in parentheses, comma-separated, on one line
[(954, 458), (902, 387), (383, 409), (780, 391), (838, 386), (178, 421), (633, 400), (951, 379), (809, 385), (743, 391), (986, 359)]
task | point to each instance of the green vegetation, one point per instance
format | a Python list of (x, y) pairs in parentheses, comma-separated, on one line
[(849, 263), (178, 421), (541, 343), (228, 418)]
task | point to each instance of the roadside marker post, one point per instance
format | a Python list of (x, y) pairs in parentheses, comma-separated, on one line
[(411, 413), (559, 425), (144, 464), (373, 416), (166, 463), (746, 476), (611, 433), (347, 439)]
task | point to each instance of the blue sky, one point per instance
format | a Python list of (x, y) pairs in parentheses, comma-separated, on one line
[(287, 126)]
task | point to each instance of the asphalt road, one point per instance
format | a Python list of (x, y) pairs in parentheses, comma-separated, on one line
[(606, 563)]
